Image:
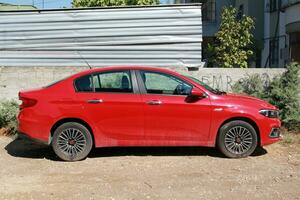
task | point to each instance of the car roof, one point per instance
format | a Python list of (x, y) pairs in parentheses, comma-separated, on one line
[(100, 69)]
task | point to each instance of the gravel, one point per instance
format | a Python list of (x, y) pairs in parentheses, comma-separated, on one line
[(32, 171)]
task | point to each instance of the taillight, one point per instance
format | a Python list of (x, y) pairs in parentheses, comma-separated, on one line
[(27, 102)]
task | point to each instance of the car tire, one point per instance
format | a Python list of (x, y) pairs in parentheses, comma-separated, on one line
[(72, 141), (237, 139)]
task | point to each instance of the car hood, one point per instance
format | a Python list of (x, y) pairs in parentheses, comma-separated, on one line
[(249, 100)]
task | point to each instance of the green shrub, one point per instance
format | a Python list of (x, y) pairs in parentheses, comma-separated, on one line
[(8, 115), (252, 85), (283, 91), (103, 3)]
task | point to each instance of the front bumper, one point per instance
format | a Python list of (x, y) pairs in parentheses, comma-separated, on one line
[(270, 131)]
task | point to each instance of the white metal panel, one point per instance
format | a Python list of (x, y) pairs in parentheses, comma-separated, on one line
[(152, 36)]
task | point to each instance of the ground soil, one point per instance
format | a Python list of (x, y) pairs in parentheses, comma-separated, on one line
[(32, 171)]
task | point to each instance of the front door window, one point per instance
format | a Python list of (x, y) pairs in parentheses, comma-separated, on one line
[(165, 84)]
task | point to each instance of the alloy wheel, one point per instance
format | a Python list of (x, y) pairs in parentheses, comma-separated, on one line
[(71, 141), (238, 140)]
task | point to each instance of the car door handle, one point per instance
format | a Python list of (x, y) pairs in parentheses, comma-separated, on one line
[(95, 101), (154, 102)]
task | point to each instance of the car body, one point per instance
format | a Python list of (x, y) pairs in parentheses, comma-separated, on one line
[(142, 106)]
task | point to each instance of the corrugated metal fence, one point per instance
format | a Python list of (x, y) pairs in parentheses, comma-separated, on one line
[(156, 36)]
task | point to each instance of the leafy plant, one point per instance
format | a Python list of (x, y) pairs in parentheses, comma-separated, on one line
[(95, 3), (233, 40), (252, 85), (8, 115), (283, 91)]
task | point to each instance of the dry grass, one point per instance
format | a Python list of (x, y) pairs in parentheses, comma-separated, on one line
[(290, 137), (7, 132), (4, 132)]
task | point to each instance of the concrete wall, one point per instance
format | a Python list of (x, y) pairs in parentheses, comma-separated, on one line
[(224, 79), (14, 79)]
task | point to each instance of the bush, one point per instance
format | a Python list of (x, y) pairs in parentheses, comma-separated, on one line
[(252, 85), (283, 91), (103, 3), (8, 115)]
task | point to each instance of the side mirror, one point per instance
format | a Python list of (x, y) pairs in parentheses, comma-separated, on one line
[(197, 93)]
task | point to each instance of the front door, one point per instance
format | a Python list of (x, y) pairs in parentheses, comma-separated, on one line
[(169, 118)]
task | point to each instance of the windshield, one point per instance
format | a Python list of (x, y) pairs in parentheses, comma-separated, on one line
[(215, 91)]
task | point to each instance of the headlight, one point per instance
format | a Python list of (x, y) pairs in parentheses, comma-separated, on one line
[(270, 113)]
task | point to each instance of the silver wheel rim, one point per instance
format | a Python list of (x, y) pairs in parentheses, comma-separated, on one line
[(71, 141), (238, 140)]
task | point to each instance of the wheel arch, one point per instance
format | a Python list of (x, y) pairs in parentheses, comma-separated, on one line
[(245, 119), (71, 119)]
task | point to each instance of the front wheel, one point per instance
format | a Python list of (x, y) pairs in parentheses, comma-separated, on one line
[(237, 139), (72, 141)]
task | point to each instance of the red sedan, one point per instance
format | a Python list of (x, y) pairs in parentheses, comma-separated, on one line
[(143, 106)]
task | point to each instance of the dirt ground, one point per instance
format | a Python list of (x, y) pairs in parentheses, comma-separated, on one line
[(31, 171)]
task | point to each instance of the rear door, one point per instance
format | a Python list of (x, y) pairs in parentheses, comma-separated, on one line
[(112, 101), (169, 118)]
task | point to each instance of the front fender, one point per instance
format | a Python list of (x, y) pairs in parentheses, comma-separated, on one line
[(221, 115)]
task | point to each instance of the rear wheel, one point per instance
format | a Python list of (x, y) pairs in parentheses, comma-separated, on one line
[(237, 139), (72, 141)]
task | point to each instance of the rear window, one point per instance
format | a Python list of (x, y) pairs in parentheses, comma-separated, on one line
[(84, 84), (112, 81)]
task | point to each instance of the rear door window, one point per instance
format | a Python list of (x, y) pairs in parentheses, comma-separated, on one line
[(116, 81)]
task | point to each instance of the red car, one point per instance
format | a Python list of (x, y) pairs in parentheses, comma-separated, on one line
[(143, 106)]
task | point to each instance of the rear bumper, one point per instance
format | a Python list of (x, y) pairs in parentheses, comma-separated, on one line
[(25, 136), (33, 128)]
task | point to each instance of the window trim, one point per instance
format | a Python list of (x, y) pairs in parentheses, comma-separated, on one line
[(142, 86), (132, 77)]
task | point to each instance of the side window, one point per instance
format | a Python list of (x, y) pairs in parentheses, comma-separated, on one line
[(116, 81), (84, 84), (160, 83)]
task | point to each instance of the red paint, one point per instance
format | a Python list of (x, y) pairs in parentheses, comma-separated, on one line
[(127, 119)]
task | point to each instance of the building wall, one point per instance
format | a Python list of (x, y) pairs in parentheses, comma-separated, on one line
[(292, 21), (14, 79), (210, 27), (287, 33), (275, 34), (292, 14), (272, 44), (255, 9)]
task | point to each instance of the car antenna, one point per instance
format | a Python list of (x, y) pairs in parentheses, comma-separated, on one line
[(86, 62)]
